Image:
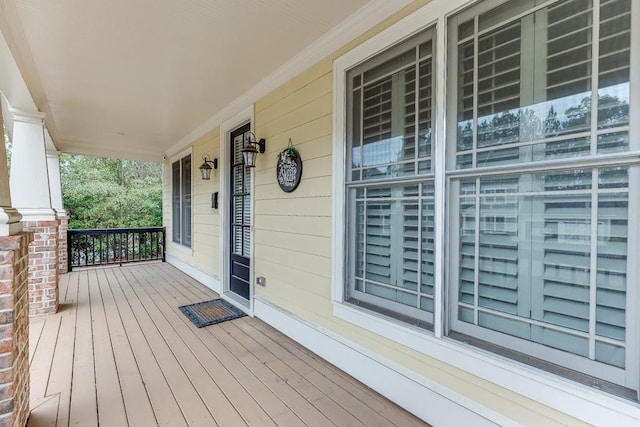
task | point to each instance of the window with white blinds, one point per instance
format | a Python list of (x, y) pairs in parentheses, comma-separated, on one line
[(181, 201), (390, 200), (538, 177)]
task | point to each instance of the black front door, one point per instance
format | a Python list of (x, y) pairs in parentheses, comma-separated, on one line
[(240, 217)]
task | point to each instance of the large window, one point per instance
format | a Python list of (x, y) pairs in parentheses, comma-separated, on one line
[(511, 228), (539, 207), (181, 200), (390, 187)]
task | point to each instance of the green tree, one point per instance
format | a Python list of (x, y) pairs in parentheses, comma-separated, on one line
[(111, 193)]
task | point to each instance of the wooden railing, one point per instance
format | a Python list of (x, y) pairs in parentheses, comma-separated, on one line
[(108, 246)]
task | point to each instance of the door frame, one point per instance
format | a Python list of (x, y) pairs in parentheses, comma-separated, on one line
[(241, 118)]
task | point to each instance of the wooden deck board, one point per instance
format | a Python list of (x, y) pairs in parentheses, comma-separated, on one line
[(214, 399), (283, 368), (40, 365), (342, 387), (165, 408), (35, 330), (248, 408), (61, 373), (136, 400), (190, 401), (120, 352), (109, 394), (275, 408), (83, 383)]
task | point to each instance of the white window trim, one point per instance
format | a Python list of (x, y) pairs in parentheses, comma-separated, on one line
[(582, 402), (172, 244)]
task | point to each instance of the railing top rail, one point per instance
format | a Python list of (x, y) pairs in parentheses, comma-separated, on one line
[(81, 231)]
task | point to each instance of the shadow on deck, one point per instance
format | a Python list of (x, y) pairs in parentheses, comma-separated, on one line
[(119, 352)]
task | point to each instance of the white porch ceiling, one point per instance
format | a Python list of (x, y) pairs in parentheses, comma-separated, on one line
[(131, 78)]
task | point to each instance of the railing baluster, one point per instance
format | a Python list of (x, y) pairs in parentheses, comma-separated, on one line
[(90, 247)]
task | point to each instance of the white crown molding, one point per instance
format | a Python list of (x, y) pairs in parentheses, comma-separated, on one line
[(34, 117), (357, 24), (37, 214)]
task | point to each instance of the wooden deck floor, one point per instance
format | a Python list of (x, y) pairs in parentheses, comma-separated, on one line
[(120, 353)]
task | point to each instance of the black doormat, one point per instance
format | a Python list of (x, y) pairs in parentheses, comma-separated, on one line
[(210, 312)]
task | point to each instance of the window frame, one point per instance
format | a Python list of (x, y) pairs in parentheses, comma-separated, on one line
[(627, 377), (396, 184), (186, 247), (565, 395)]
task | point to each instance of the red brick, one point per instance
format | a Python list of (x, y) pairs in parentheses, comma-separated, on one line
[(6, 302), (6, 406), (6, 361), (6, 376)]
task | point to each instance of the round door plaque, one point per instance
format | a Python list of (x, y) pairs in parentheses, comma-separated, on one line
[(289, 169)]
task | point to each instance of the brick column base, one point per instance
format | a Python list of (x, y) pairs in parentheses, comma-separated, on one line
[(63, 226), (14, 330), (43, 267)]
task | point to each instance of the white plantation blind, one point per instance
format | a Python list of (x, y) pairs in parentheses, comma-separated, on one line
[(394, 252), (391, 224), (176, 201), (186, 201), (542, 256), (181, 200)]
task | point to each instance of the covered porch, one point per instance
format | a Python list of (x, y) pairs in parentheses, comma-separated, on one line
[(119, 352)]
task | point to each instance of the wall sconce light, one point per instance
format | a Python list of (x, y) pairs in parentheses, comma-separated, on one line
[(205, 169), (251, 149)]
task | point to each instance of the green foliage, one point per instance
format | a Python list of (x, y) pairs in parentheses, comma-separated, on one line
[(111, 193)]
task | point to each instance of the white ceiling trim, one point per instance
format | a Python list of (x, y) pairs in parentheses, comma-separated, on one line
[(349, 29)]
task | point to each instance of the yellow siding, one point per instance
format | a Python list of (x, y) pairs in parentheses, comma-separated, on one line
[(292, 238), (205, 248), (292, 231)]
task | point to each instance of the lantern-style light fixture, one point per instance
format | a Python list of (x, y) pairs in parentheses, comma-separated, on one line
[(205, 169), (251, 149)]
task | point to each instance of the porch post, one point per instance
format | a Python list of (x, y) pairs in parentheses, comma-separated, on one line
[(14, 307), (29, 182), (53, 163)]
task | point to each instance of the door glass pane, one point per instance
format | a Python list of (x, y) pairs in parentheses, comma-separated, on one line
[(246, 205), (238, 144), (246, 242), (237, 210), (237, 240)]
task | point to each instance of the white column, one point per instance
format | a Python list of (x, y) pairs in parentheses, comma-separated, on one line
[(29, 178), (9, 217), (55, 184)]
